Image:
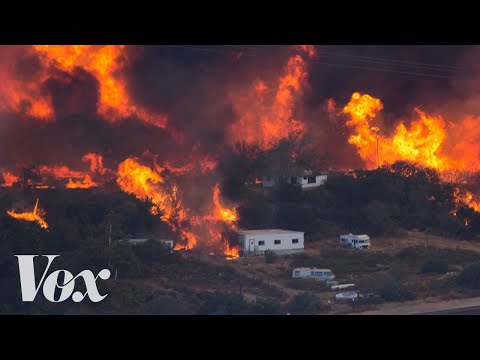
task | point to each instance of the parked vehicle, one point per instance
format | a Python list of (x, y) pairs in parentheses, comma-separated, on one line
[(342, 286), (355, 241), (348, 295), (313, 273)]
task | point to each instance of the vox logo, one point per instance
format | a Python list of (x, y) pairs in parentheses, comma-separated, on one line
[(50, 283)]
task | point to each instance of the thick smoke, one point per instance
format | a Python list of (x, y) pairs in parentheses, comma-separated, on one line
[(199, 89)]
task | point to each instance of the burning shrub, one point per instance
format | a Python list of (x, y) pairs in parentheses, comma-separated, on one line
[(434, 266), (305, 303)]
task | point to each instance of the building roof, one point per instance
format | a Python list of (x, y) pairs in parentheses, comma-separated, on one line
[(268, 231)]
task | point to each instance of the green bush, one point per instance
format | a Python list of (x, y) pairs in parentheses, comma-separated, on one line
[(434, 266), (305, 303), (470, 277), (394, 291)]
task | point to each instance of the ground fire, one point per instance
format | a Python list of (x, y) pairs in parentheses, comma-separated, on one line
[(37, 215)]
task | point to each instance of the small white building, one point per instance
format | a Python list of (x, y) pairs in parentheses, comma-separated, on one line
[(256, 242), (136, 242), (355, 241), (306, 180), (313, 273)]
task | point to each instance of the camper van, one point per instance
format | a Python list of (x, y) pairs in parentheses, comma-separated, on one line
[(313, 273), (355, 241)]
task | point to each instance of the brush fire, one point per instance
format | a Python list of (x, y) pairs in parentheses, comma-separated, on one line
[(155, 147)]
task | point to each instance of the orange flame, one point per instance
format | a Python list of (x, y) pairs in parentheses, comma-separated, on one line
[(96, 163), (423, 141), (148, 185), (9, 179), (36, 216), (86, 183), (105, 64), (264, 120)]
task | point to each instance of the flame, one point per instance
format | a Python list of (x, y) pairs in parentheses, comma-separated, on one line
[(264, 120), (221, 213), (193, 227), (84, 184), (424, 140), (105, 64), (36, 216), (96, 163), (8, 179)]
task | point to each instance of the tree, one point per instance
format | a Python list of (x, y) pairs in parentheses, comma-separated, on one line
[(434, 266), (220, 303), (469, 278), (267, 306), (394, 291), (305, 303)]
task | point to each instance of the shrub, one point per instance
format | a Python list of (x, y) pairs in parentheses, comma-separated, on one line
[(394, 291), (220, 303), (270, 256), (267, 306), (305, 303), (470, 277), (434, 266)]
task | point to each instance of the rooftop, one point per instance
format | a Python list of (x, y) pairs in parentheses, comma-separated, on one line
[(267, 231)]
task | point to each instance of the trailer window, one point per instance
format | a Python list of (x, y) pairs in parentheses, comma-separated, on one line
[(277, 242), (261, 243), (294, 241), (297, 272), (318, 273), (312, 273), (312, 179)]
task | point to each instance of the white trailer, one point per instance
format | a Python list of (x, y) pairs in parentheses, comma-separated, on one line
[(355, 241), (256, 242), (313, 273)]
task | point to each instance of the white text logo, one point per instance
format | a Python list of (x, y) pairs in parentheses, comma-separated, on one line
[(50, 282)]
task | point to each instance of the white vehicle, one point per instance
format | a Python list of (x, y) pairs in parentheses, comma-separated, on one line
[(355, 241), (342, 287), (348, 295), (313, 273)]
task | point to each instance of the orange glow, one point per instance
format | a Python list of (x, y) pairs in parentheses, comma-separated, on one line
[(85, 184), (37, 215), (96, 163), (424, 140), (60, 172), (221, 213), (105, 63), (194, 228), (266, 115), (9, 179)]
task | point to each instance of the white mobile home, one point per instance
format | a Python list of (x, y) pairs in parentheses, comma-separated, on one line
[(256, 242), (306, 180), (309, 181), (355, 241), (313, 273)]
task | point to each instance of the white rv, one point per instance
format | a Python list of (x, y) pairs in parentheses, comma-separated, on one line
[(355, 241), (313, 273)]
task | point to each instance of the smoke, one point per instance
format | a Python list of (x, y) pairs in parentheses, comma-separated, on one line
[(180, 103)]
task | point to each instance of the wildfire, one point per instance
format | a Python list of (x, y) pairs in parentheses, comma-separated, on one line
[(96, 163), (264, 120), (86, 183), (423, 141), (8, 179), (105, 64), (148, 185), (36, 216)]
